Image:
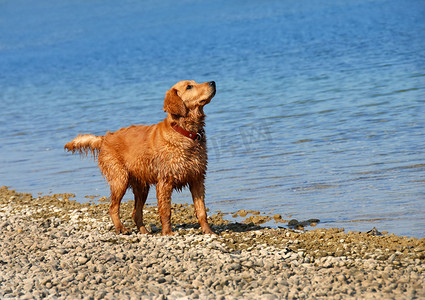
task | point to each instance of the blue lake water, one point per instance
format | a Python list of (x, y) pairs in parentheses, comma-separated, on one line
[(319, 111)]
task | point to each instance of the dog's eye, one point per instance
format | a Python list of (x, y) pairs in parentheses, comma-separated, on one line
[(189, 87)]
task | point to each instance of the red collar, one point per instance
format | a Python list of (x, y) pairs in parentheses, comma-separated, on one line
[(196, 136)]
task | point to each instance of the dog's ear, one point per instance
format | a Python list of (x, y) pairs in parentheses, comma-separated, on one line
[(173, 104)]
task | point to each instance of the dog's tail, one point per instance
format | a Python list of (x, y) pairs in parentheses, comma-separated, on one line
[(84, 143)]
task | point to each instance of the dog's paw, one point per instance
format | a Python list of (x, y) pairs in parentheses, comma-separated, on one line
[(143, 230), (168, 232), (122, 230)]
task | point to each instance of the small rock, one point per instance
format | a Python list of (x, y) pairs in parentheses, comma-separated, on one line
[(109, 283), (82, 260), (293, 222), (161, 280), (374, 231)]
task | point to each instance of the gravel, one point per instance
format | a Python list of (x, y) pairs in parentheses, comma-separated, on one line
[(52, 247)]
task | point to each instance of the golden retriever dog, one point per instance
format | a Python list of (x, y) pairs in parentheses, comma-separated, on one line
[(171, 155)]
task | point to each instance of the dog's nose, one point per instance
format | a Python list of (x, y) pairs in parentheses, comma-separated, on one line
[(212, 83)]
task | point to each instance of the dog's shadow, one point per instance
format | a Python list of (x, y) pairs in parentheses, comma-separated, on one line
[(231, 227)]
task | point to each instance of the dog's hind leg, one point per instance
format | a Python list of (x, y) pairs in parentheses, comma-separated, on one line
[(118, 188), (140, 194), (118, 179)]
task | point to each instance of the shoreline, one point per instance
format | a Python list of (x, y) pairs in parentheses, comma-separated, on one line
[(69, 249)]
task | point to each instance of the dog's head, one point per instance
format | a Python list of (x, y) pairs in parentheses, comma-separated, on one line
[(187, 95)]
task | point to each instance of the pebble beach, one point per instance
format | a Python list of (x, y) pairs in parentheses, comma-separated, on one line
[(55, 248)]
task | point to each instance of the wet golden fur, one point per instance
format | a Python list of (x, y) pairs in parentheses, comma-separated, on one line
[(143, 155)]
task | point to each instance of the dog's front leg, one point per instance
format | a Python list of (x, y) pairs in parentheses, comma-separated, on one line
[(198, 194), (164, 190)]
